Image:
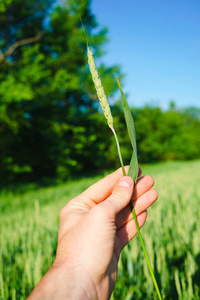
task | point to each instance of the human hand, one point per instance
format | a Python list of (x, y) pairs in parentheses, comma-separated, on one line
[(94, 228)]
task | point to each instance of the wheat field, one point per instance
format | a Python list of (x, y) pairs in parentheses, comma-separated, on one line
[(29, 227)]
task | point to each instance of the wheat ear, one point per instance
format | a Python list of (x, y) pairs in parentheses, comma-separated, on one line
[(99, 88), (103, 100)]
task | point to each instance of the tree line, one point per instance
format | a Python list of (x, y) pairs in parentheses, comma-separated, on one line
[(50, 121)]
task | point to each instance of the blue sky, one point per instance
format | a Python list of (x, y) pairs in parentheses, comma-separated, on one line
[(157, 45)]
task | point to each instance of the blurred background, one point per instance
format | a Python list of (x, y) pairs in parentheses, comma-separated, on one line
[(50, 120), (55, 142)]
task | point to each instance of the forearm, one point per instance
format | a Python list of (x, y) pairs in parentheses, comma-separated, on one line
[(64, 283)]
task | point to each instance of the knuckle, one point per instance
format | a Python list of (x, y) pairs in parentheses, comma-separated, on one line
[(120, 193)]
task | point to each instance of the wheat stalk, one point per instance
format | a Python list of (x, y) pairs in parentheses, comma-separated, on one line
[(133, 169)]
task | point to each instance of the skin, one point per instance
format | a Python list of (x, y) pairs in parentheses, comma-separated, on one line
[(94, 228)]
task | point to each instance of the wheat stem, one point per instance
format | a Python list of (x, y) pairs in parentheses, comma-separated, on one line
[(145, 252), (118, 149)]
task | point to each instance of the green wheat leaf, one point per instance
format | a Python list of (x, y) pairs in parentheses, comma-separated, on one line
[(133, 168)]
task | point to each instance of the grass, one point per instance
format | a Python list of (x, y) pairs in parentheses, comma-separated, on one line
[(29, 227)]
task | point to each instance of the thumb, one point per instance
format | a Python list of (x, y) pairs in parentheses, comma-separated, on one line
[(121, 195)]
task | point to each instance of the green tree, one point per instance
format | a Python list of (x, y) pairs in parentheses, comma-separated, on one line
[(46, 89)]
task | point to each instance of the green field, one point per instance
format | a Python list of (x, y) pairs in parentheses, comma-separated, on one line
[(29, 227)]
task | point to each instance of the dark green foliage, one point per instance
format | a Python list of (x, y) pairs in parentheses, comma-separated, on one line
[(48, 112), (167, 135)]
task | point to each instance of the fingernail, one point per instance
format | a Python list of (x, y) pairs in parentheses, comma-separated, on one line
[(125, 182)]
